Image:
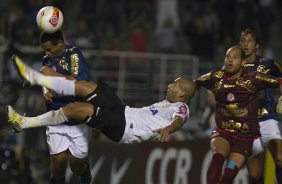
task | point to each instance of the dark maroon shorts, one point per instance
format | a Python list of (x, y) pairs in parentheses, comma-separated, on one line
[(243, 147)]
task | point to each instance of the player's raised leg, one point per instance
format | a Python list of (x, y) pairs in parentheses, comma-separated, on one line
[(61, 85), (36, 78), (19, 122)]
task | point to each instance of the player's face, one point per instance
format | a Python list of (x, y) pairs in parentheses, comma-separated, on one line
[(173, 90), (51, 49), (233, 61), (248, 44)]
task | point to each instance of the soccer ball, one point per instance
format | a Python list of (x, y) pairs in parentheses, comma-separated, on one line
[(49, 19)]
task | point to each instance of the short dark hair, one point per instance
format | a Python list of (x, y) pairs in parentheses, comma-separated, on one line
[(251, 32), (53, 37)]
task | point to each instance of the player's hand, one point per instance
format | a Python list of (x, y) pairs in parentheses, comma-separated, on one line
[(279, 105), (164, 133), (48, 97)]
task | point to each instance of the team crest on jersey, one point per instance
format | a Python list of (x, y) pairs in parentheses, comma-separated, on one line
[(262, 69), (63, 64), (230, 97)]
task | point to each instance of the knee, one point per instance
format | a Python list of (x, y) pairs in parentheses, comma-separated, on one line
[(278, 159), (254, 177), (254, 173)]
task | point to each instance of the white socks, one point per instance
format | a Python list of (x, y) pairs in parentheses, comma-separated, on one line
[(60, 85), (50, 118)]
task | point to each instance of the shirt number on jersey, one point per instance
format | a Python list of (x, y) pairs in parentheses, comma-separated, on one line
[(153, 110)]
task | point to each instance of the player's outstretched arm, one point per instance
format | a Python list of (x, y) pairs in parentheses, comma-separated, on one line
[(175, 125)]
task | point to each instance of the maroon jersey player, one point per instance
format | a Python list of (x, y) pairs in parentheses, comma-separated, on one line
[(236, 92)]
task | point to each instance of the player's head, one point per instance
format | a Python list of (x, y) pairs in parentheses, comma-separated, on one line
[(181, 90), (249, 41), (234, 60), (52, 43)]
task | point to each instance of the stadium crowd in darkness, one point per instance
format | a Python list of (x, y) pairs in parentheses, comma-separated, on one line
[(205, 28), (202, 28)]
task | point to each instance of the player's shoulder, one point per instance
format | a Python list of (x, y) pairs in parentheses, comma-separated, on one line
[(71, 49), (263, 60), (270, 64), (181, 104), (218, 73), (182, 108), (249, 74)]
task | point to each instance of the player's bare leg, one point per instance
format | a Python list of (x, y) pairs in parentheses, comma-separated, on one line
[(59, 165), (80, 167), (255, 167), (234, 163), (275, 148), (220, 149)]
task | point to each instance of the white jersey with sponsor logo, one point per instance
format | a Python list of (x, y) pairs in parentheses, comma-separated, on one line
[(141, 122)]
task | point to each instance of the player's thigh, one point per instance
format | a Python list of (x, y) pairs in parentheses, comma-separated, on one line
[(78, 110), (255, 165), (59, 164), (220, 145), (83, 88), (275, 148), (60, 158), (79, 152)]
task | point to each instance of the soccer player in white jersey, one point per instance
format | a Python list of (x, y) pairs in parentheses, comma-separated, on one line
[(102, 108)]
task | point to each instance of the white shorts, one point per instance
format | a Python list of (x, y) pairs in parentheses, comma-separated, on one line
[(269, 130), (63, 137)]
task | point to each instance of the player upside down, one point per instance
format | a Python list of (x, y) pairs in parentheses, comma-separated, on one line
[(102, 108)]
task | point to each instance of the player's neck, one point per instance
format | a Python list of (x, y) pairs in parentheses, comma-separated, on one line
[(236, 75), (251, 58)]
